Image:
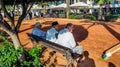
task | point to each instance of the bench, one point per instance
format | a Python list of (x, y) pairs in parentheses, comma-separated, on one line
[(56, 47)]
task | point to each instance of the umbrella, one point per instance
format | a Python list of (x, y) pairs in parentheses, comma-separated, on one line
[(79, 5), (51, 7), (38, 8), (61, 6)]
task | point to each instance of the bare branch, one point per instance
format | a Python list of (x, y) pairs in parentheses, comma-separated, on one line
[(5, 11), (5, 28), (7, 14), (14, 8), (26, 9), (13, 24), (4, 22), (30, 6)]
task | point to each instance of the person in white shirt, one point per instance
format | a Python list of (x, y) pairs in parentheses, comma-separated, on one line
[(52, 32), (66, 38)]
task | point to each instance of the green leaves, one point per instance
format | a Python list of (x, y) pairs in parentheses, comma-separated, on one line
[(75, 16), (33, 58), (4, 39), (111, 0), (9, 55), (35, 52), (91, 17), (102, 1)]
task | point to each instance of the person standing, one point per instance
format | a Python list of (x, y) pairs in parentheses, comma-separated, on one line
[(30, 15), (52, 33)]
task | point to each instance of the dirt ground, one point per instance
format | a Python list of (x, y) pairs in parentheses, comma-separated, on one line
[(94, 36)]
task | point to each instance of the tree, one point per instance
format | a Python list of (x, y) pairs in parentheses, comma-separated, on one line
[(13, 27), (68, 8)]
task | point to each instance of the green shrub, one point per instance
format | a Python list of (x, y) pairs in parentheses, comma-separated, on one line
[(62, 15), (72, 16), (33, 58), (35, 53), (9, 55), (91, 17), (75, 16), (78, 17), (111, 17), (118, 15)]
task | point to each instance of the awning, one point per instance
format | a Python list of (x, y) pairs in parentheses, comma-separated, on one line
[(79, 5), (61, 6)]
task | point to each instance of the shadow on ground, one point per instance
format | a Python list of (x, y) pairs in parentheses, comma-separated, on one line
[(79, 32), (87, 61), (110, 64), (113, 32), (31, 27)]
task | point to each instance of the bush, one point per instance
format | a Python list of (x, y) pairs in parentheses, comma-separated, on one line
[(91, 17), (72, 16), (9, 55), (62, 15), (33, 59), (75, 16), (111, 17), (78, 16)]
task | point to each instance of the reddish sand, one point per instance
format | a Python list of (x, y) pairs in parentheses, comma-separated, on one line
[(94, 36)]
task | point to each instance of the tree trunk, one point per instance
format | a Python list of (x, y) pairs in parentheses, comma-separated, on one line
[(15, 40), (100, 15), (17, 44), (68, 8), (44, 10)]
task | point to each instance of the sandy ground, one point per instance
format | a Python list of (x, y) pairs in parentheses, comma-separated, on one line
[(94, 36)]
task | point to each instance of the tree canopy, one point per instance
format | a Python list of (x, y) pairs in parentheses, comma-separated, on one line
[(13, 27), (102, 1)]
